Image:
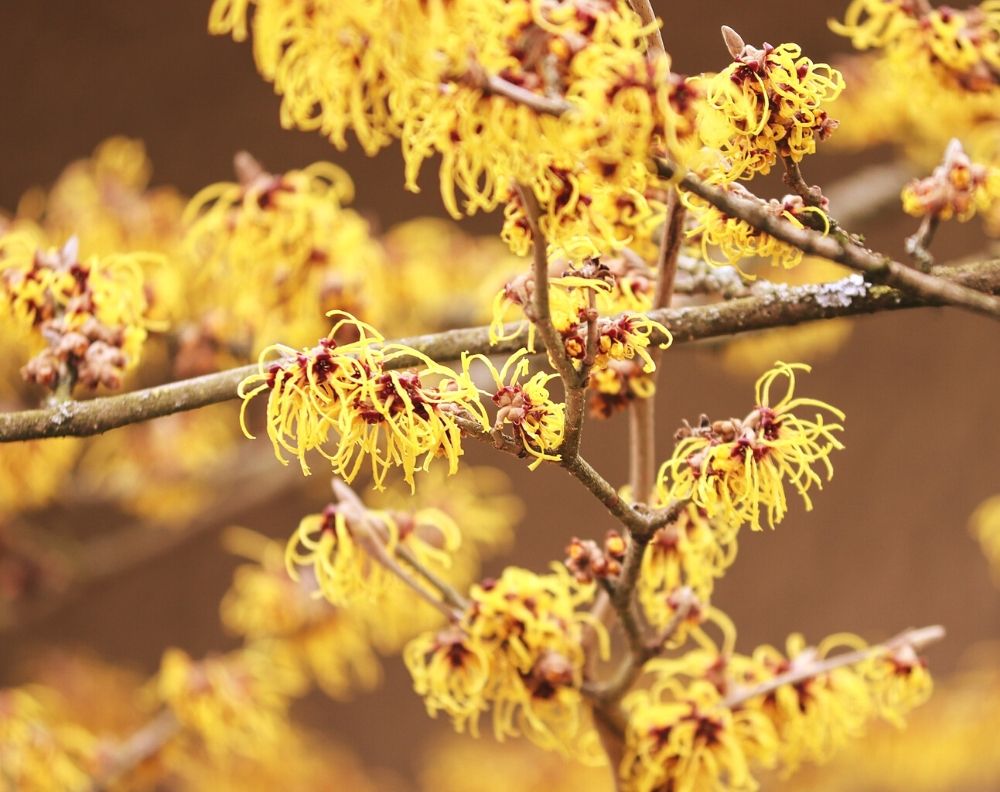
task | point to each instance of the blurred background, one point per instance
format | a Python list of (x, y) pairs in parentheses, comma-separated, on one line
[(886, 547)]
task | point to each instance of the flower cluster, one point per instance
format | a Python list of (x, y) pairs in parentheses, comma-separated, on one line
[(591, 309), (106, 202), (614, 387), (737, 240), (359, 392), (712, 717), (739, 467), (235, 704), (683, 738), (958, 188), (768, 103), (962, 47), (690, 553), (947, 744), (343, 552), (818, 715), (518, 649), (932, 77), (558, 96), (265, 604), (91, 314), (537, 421), (295, 248), (39, 749)]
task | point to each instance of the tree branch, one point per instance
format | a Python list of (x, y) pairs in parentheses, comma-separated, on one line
[(915, 639), (771, 307), (837, 247), (654, 39), (142, 745)]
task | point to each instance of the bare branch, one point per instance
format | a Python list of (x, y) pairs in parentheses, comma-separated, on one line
[(783, 307), (142, 745), (837, 247), (544, 105), (654, 39), (914, 639)]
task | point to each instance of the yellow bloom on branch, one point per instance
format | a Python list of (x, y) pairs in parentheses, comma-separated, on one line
[(518, 650), (390, 416), (737, 240), (39, 749), (741, 467), (538, 422), (768, 103), (683, 738), (957, 189), (90, 315), (235, 704)]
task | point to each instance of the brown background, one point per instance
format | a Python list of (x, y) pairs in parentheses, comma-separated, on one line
[(886, 547)]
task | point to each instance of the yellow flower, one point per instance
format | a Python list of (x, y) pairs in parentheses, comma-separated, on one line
[(518, 650), (537, 421), (393, 417), (876, 23), (106, 202), (768, 103), (737, 240), (985, 526), (616, 385), (39, 751), (339, 68), (235, 704), (265, 603), (818, 716), (575, 299), (692, 551), (740, 467), (91, 314), (342, 557), (479, 500), (293, 245), (627, 337), (815, 718), (899, 682), (961, 47), (958, 188), (683, 738)]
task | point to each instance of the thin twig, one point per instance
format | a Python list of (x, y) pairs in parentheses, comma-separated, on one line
[(642, 448), (448, 593), (813, 196), (574, 382), (918, 245), (654, 39), (837, 247), (541, 312), (914, 639), (631, 667), (605, 493), (141, 746), (371, 538), (545, 105), (669, 252), (785, 307)]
